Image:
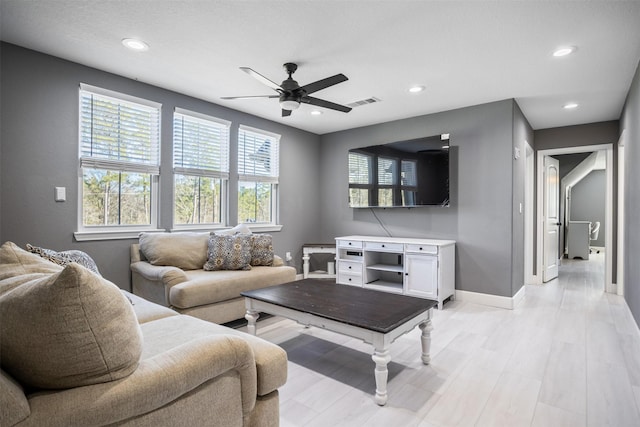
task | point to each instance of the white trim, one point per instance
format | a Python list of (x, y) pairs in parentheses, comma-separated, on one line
[(260, 131), (508, 303), (119, 96), (608, 148), (203, 117), (85, 236)]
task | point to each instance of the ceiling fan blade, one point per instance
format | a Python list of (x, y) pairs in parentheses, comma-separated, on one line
[(249, 96), (261, 78), (324, 83), (326, 104), (286, 113)]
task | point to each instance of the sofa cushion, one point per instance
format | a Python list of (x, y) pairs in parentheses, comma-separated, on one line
[(261, 249), (65, 257), (68, 329), (238, 229), (228, 252), (187, 251)]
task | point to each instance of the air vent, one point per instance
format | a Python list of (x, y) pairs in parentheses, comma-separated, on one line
[(362, 102)]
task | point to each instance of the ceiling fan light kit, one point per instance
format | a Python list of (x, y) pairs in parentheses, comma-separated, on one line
[(291, 94)]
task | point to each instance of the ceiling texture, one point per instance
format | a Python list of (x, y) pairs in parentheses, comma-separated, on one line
[(463, 52)]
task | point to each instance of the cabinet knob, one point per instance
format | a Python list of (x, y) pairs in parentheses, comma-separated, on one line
[(383, 246), (420, 248), (349, 243), (349, 267), (406, 274), (349, 278)]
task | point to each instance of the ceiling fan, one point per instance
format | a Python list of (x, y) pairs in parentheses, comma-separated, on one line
[(291, 94)]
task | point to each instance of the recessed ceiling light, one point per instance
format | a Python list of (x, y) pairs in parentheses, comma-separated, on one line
[(570, 106), (135, 44), (316, 112), (564, 51), (416, 89)]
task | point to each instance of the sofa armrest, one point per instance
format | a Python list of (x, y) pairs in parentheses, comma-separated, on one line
[(14, 406), (169, 276), (157, 382)]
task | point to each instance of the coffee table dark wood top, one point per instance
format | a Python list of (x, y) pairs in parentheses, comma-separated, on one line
[(364, 308)]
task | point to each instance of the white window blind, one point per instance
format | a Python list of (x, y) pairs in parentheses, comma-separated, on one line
[(409, 173), (359, 168), (117, 133), (258, 155), (200, 145), (386, 171)]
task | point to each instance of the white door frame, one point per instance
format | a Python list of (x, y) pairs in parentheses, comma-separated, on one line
[(608, 238), (529, 180), (621, 220)]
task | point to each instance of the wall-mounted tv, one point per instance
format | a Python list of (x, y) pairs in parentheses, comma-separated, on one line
[(408, 173)]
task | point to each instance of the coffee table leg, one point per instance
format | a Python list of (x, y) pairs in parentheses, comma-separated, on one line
[(381, 358), (252, 317), (425, 339)]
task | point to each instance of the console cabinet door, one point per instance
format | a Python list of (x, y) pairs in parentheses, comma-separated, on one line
[(421, 276)]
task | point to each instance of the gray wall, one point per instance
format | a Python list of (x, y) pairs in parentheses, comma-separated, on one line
[(630, 122), (39, 140), (481, 215), (577, 136), (588, 201)]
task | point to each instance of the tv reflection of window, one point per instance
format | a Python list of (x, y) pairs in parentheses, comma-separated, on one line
[(387, 179)]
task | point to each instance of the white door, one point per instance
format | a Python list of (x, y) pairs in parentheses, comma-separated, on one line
[(551, 219), (421, 276)]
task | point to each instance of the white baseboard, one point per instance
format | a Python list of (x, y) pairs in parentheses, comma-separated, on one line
[(299, 276), (491, 300)]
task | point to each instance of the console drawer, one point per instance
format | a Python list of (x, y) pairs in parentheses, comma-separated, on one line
[(384, 247), (350, 279), (350, 244), (424, 249), (350, 267)]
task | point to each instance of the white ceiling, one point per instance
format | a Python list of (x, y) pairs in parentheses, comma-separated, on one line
[(464, 52)]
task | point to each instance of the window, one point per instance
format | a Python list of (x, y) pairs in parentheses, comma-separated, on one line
[(201, 168), (258, 172), (360, 179), (119, 161)]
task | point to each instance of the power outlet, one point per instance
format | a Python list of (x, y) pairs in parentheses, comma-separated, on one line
[(287, 256)]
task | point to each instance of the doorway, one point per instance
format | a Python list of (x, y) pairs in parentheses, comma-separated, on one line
[(541, 215)]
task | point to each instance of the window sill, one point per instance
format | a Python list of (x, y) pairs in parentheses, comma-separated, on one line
[(256, 228), (85, 236)]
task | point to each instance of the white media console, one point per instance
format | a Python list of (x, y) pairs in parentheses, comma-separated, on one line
[(423, 268)]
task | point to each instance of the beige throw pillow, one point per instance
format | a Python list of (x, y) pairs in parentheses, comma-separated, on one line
[(68, 329), (187, 251)]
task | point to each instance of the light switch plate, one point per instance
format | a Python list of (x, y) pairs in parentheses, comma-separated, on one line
[(61, 194)]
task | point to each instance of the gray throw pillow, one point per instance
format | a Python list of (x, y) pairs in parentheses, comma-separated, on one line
[(261, 249), (66, 257), (228, 252)]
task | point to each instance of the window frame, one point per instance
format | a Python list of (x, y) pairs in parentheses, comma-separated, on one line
[(274, 224), (109, 232), (222, 175)]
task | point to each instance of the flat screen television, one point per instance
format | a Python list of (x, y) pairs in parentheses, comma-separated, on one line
[(408, 174)]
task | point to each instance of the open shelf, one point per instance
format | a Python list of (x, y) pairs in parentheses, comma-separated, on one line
[(386, 267), (381, 285)]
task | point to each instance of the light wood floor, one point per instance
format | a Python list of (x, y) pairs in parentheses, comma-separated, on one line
[(568, 355)]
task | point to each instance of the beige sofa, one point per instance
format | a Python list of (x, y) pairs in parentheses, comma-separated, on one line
[(167, 268), (77, 351)]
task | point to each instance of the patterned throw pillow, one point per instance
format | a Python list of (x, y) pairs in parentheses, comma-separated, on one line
[(261, 249), (228, 252), (66, 257)]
